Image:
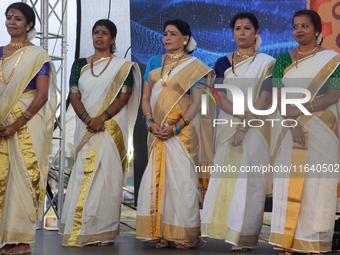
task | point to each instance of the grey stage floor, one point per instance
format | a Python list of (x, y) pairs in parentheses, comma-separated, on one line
[(49, 243)]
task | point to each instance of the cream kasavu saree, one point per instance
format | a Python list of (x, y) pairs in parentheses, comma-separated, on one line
[(169, 196), (24, 157), (304, 202), (234, 203), (92, 205)]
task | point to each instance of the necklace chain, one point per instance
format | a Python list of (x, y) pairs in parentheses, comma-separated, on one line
[(168, 74), (97, 75), (237, 53), (305, 53), (13, 70)]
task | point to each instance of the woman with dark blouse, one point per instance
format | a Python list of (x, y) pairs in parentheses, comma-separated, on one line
[(105, 94), (234, 203)]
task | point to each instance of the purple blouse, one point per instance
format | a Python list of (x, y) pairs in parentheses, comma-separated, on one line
[(44, 70)]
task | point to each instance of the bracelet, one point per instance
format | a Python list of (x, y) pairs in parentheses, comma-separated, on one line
[(243, 129), (108, 114), (85, 117), (174, 130), (146, 113), (186, 119), (180, 125), (177, 129), (81, 114), (291, 128), (147, 123), (28, 115)]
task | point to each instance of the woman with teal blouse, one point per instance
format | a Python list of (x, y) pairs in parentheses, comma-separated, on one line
[(304, 199)]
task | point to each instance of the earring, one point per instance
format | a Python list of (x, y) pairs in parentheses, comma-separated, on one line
[(255, 36), (185, 42), (27, 29), (316, 34)]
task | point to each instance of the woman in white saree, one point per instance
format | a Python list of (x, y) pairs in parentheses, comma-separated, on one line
[(169, 196), (105, 94), (27, 110), (234, 203), (304, 200)]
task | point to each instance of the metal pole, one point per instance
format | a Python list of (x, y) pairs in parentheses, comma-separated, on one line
[(62, 112)]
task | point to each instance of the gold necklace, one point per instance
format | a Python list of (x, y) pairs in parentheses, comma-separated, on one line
[(174, 56), (305, 53), (17, 45), (13, 70), (167, 76), (244, 55), (97, 75), (233, 61)]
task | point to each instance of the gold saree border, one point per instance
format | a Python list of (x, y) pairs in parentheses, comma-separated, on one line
[(4, 159), (16, 237), (91, 160), (83, 240), (170, 232), (301, 245)]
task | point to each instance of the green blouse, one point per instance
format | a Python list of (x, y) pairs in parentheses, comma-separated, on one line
[(78, 64), (284, 60)]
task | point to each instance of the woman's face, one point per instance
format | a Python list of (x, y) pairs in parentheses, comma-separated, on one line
[(16, 23), (102, 38), (173, 39), (303, 30), (244, 33)]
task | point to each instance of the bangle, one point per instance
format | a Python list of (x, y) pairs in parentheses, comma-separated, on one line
[(243, 129), (85, 117), (108, 114), (28, 115), (147, 123), (180, 125), (177, 129), (186, 119), (81, 114), (174, 130), (146, 113), (298, 125)]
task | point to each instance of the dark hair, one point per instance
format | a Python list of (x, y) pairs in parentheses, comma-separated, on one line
[(26, 10), (182, 26), (314, 18), (110, 26), (245, 15)]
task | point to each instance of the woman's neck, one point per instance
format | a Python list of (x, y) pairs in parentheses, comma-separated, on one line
[(101, 54)]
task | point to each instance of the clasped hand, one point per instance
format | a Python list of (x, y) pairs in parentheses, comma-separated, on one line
[(162, 133), (94, 125), (9, 131)]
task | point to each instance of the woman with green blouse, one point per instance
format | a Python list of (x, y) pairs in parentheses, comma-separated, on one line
[(304, 198), (105, 94)]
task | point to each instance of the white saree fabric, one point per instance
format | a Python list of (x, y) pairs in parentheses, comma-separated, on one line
[(315, 223), (239, 221), (98, 195)]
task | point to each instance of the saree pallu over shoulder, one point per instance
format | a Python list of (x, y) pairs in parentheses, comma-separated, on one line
[(302, 219), (23, 175), (168, 202), (234, 195), (96, 183)]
